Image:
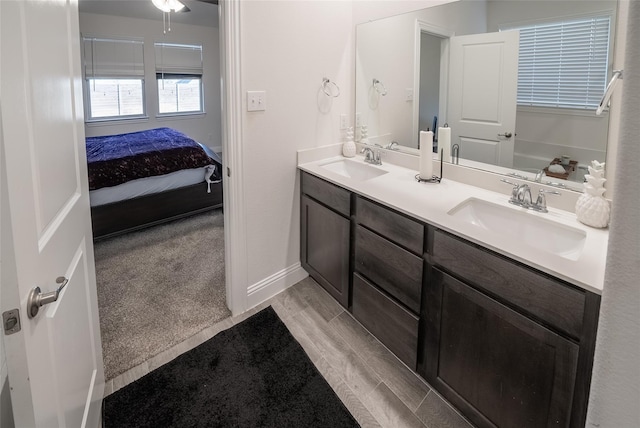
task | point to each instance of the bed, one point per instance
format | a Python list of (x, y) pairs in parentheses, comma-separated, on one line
[(145, 178)]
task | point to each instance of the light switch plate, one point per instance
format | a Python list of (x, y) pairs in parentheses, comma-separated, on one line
[(256, 100), (408, 94)]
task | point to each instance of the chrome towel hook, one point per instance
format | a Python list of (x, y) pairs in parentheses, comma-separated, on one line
[(379, 87), (329, 87)]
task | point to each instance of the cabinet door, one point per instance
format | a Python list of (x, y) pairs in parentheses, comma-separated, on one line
[(325, 248), (501, 368)]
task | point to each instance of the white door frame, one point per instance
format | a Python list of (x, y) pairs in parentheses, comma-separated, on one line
[(235, 232), (445, 34)]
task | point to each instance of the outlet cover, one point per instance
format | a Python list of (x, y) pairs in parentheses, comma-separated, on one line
[(343, 121)]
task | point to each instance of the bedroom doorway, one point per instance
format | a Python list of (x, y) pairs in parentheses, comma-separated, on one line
[(158, 287), (161, 285)]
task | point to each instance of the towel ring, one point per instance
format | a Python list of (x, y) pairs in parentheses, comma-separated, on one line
[(327, 86), (377, 85)]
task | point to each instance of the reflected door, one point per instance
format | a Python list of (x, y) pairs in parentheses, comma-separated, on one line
[(483, 90)]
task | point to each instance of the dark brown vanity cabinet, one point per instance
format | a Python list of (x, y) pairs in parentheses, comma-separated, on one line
[(325, 235), (387, 279), (507, 345)]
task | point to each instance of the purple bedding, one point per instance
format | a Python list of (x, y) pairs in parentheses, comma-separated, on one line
[(116, 159)]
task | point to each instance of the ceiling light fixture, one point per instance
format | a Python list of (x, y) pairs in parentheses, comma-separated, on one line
[(167, 6)]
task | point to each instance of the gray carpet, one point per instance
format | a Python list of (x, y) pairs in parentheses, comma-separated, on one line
[(159, 286)]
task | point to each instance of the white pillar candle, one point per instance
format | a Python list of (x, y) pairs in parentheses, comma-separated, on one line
[(444, 143), (426, 155)]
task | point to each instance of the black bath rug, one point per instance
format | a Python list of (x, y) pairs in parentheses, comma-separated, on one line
[(254, 374)]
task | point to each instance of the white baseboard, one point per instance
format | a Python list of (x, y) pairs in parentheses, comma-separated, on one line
[(274, 284)]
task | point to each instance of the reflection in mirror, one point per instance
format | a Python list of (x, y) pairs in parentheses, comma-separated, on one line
[(466, 64)]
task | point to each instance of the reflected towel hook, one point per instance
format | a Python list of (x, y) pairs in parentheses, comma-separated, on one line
[(327, 86), (617, 74), (377, 85)]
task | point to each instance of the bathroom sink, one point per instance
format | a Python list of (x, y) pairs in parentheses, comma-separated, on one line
[(352, 169), (524, 227)]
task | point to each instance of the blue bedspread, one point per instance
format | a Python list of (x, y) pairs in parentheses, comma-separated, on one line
[(116, 159)]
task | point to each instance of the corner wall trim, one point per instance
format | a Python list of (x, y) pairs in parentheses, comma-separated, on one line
[(235, 233), (274, 284)]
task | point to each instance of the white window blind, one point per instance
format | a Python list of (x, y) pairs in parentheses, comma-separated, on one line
[(178, 59), (564, 64), (113, 58)]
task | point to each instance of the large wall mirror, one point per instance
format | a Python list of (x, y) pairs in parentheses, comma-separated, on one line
[(482, 67)]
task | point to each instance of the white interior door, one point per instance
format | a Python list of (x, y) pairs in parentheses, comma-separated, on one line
[(483, 85), (55, 361)]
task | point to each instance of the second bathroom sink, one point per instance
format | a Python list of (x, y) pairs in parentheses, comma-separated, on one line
[(524, 227)]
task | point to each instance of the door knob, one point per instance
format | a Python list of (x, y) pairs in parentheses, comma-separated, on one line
[(37, 299), (506, 135)]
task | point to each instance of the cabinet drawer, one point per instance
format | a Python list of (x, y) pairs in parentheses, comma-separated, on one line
[(394, 269), (396, 227), (392, 324), (332, 196), (546, 299)]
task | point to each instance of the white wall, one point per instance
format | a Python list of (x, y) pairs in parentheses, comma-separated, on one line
[(287, 48), (615, 389), (204, 128), (368, 10), (545, 134)]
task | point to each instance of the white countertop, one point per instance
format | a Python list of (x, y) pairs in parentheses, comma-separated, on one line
[(431, 203)]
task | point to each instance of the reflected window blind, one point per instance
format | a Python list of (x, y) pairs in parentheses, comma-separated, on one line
[(178, 59), (564, 64), (113, 58)]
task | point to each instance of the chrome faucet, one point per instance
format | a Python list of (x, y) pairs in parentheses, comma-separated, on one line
[(541, 202), (521, 196), (391, 145), (455, 153), (371, 156)]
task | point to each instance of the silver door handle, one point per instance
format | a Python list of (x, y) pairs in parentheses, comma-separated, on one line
[(506, 135), (37, 299)]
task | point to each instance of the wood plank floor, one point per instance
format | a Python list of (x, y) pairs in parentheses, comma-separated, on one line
[(378, 389)]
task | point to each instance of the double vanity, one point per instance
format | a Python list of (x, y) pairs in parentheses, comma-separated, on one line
[(495, 306)]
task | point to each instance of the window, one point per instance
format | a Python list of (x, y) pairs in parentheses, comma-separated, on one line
[(111, 98), (179, 75), (179, 94), (564, 64), (114, 79)]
